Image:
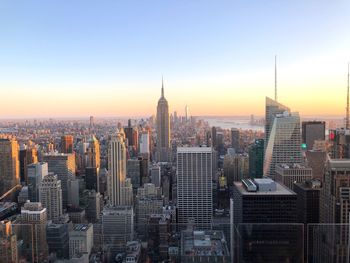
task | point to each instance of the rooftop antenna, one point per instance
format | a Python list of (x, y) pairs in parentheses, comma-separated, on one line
[(347, 104), (162, 87), (275, 78)]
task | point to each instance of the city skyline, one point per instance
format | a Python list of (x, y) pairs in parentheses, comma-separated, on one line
[(175, 131), (83, 58)]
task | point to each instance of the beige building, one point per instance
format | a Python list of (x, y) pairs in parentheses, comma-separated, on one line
[(50, 195), (81, 239), (288, 174), (93, 153), (9, 164), (163, 129), (33, 220), (118, 187)]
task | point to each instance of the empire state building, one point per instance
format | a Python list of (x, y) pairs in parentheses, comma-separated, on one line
[(163, 129)]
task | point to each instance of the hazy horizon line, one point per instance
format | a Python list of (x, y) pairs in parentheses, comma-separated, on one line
[(148, 116)]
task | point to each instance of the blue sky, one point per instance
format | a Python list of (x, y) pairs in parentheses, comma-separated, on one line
[(111, 47)]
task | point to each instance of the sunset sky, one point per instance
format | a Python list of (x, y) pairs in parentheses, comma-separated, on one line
[(106, 58)]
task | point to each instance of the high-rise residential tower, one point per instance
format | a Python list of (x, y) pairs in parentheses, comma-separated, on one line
[(163, 129), (284, 143), (51, 197), (194, 185), (9, 164)]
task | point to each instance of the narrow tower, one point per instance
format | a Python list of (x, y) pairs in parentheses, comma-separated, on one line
[(347, 104), (162, 95), (163, 129), (275, 78)]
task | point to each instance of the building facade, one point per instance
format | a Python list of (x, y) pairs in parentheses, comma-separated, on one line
[(312, 131), (50, 196), (194, 185), (116, 169), (288, 174), (284, 144), (9, 164), (36, 173), (63, 165), (163, 129), (256, 159)]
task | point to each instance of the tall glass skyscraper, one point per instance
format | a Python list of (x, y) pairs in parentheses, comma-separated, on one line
[(272, 108), (284, 144), (256, 159)]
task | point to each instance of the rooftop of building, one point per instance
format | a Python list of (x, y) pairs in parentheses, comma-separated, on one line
[(313, 184), (264, 186), (286, 114), (36, 164), (194, 149), (116, 209), (82, 227), (133, 249), (339, 163), (203, 243), (271, 102), (314, 122), (292, 166), (57, 154)]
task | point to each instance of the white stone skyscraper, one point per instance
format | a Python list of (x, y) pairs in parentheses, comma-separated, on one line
[(163, 129), (194, 185), (144, 142), (284, 143), (116, 169), (50, 196)]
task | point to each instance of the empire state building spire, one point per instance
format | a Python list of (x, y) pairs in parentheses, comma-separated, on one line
[(162, 87)]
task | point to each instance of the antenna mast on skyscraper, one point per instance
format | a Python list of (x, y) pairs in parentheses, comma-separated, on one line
[(347, 104), (275, 78), (162, 87)]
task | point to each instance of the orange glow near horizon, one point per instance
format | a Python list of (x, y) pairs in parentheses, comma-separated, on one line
[(201, 101), (303, 87)]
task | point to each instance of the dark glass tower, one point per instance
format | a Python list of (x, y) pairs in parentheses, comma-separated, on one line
[(256, 159)]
